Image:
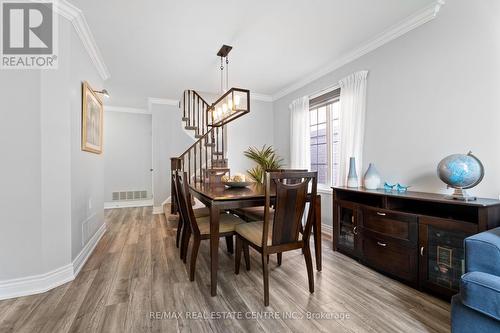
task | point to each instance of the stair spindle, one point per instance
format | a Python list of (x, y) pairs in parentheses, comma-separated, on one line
[(206, 159), (189, 166), (222, 140), (192, 110), (217, 143), (195, 101), (195, 160), (189, 107), (212, 148), (201, 161)]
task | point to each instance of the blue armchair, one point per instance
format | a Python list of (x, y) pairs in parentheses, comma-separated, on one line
[(477, 307)]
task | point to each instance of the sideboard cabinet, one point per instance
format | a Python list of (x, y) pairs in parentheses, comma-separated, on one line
[(414, 237)]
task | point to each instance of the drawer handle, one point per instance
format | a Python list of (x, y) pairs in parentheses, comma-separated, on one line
[(355, 230), (422, 251), (382, 244), (381, 214)]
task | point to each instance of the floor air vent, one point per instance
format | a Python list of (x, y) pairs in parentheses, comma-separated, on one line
[(129, 195)]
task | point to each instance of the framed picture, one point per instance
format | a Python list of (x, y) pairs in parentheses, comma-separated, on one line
[(92, 118)]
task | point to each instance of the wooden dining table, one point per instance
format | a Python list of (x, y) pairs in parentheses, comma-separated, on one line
[(219, 198)]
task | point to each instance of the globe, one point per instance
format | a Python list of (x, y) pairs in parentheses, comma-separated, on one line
[(460, 171)]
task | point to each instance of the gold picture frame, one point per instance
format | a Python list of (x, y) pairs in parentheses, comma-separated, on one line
[(92, 119)]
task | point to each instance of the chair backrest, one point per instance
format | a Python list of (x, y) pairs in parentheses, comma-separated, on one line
[(288, 181), (175, 193), (184, 199), (292, 193)]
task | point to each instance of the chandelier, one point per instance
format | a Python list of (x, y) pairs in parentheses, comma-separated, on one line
[(234, 102)]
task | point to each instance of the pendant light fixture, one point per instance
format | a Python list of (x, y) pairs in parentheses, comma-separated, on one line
[(234, 102)]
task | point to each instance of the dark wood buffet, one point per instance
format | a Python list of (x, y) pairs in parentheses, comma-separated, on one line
[(414, 237)]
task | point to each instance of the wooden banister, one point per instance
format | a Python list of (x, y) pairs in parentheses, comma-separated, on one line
[(207, 154)]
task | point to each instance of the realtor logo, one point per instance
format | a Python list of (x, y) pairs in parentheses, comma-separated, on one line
[(28, 35)]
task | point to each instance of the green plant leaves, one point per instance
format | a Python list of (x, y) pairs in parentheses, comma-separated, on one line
[(266, 159)]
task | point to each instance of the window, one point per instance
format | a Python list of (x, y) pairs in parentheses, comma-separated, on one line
[(325, 144)]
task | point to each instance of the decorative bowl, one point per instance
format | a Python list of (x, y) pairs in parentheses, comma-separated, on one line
[(237, 184)]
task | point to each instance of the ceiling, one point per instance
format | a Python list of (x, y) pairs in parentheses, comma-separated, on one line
[(158, 48)]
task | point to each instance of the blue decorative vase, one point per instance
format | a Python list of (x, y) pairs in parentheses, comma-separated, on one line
[(372, 179), (352, 178)]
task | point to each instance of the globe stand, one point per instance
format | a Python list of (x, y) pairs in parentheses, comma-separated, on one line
[(461, 195)]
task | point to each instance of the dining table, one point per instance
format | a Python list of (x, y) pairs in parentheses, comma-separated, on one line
[(219, 198)]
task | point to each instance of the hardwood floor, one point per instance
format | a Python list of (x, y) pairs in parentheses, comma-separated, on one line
[(135, 270)]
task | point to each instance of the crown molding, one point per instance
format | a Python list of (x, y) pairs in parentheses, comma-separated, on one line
[(413, 21), (261, 97), (76, 17), (124, 109), (162, 101)]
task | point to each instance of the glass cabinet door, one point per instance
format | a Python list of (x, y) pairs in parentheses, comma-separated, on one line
[(347, 228), (445, 257)]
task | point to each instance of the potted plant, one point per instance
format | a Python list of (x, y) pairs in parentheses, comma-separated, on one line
[(266, 159)]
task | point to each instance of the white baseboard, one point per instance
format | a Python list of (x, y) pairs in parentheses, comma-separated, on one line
[(157, 209), (326, 229), (36, 284), (87, 250), (167, 200), (41, 283), (129, 203)]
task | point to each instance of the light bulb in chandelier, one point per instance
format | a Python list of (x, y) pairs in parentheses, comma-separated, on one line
[(236, 100)]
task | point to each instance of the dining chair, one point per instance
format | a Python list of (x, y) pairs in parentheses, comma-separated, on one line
[(251, 214), (181, 229), (199, 227), (257, 213), (281, 233)]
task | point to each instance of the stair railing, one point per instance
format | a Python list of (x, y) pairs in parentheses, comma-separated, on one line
[(200, 159), (205, 159), (195, 112)]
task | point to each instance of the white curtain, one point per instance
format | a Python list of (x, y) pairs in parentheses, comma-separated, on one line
[(352, 123), (300, 139)]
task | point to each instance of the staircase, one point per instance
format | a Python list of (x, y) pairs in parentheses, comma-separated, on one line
[(205, 160)]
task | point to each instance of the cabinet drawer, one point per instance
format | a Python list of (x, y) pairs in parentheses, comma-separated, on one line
[(392, 224), (390, 257)]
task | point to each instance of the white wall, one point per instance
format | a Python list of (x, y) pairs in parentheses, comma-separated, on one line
[(55, 106), (431, 93), (20, 177), (127, 153), (47, 180), (169, 140), (253, 129), (87, 169)]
